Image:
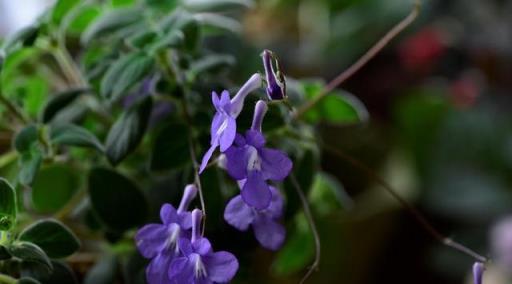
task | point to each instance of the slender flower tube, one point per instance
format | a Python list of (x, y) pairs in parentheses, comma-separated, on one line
[(223, 128), (478, 272), (199, 263), (160, 242), (276, 89)]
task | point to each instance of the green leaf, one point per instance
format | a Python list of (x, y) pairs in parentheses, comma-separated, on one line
[(7, 205), (74, 135), (30, 252), (53, 237), (141, 39), (117, 3), (24, 37), (336, 108), (217, 5), (125, 73), (24, 140), (27, 280), (219, 22), (26, 143), (127, 132), (186, 23), (60, 101), (111, 21), (80, 17), (4, 254), (297, 252), (328, 195), (53, 187), (116, 200), (61, 274), (104, 272), (172, 39), (171, 148), (61, 9), (210, 62)]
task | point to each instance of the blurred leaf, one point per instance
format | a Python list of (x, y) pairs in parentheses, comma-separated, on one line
[(30, 252), (27, 280), (35, 90), (59, 102), (171, 148), (104, 272), (141, 39), (127, 132), (217, 5), (53, 187), (4, 254), (117, 3), (22, 38), (24, 140), (7, 205), (297, 252), (79, 18), (116, 200), (125, 73), (183, 21), (51, 236), (26, 143), (110, 22), (219, 22), (74, 135), (208, 63), (327, 194), (172, 39), (61, 8), (61, 274), (336, 108)]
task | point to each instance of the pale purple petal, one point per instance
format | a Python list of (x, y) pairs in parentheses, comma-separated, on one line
[(275, 164), (150, 239), (269, 233), (225, 101), (207, 156), (202, 246), (186, 220), (255, 138), (168, 214), (275, 210), (256, 192), (236, 162), (221, 266), (156, 272), (216, 100), (228, 135), (181, 270), (238, 214), (185, 246), (217, 121), (478, 272)]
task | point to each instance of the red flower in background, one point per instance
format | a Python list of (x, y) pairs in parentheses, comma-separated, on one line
[(421, 51)]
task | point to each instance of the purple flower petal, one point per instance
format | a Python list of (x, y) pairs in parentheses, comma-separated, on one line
[(202, 246), (236, 162), (269, 233), (221, 266), (275, 164), (275, 210), (150, 239), (238, 214), (206, 157), (217, 121), (256, 192), (255, 138), (185, 246), (156, 272), (216, 100), (168, 214), (228, 135), (181, 270)]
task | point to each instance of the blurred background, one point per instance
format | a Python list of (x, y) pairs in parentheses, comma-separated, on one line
[(440, 131)]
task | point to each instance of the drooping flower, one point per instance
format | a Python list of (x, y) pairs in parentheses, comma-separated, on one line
[(160, 242), (223, 128), (478, 272), (248, 159), (265, 223), (276, 86), (199, 263)]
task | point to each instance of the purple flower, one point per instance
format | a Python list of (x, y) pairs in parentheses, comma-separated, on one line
[(478, 272), (248, 159), (501, 243), (199, 263), (223, 128), (160, 242), (268, 231), (276, 88)]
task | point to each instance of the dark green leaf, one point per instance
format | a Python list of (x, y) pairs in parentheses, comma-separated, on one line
[(328, 195), (221, 22), (171, 148), (30, 252), (210, 62), (4, 254), (30, 161), (61, 274), (124, 73), (24, 37), (217, 5), (104, 272), (60, 101), (110, 22), (141, 39), (127, 132), (117, 201), (53, 187), (53, 237), (28, 280), (184, 22), (172, 39), (79, 18), (26, 138), (74, 135), (7, 205), (61, 8)]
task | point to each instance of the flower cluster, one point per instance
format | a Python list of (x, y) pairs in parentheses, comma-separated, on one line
[(178, 252), (250, 163)]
